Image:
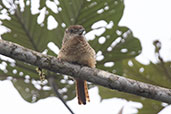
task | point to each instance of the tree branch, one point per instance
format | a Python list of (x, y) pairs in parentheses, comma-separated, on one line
[(94, 75)]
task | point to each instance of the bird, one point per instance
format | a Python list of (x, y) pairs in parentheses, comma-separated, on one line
[(76, 49)]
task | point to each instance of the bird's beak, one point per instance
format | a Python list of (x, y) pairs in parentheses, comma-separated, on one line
[(81, 31)]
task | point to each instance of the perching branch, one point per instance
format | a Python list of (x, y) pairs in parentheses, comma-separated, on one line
[(94, 75)]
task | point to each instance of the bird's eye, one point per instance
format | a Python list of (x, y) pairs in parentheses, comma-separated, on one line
[(71, 31)]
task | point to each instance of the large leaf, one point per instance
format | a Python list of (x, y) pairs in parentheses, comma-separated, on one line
[(156, 74), (27, 32), (149, 106), (122, 46)]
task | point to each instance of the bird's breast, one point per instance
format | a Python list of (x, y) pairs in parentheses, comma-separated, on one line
[(78, 51)]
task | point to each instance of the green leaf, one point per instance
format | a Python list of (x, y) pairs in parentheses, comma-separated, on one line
[(152, 73), (42, 4), (29, 92), (25, 81), (126, 46), (149, 106), (157, 74), (27, 32)]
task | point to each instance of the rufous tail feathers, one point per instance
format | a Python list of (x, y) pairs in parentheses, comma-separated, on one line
[(82, 91)]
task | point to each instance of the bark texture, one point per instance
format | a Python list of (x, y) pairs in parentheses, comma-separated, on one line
[(93, 75)]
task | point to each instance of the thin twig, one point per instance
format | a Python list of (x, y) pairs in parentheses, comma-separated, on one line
[(55, 89), (158, 47)]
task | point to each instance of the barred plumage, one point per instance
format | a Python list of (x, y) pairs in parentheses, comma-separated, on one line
[(76, 49)]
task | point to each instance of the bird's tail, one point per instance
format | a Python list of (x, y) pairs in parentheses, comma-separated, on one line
[(82, 91)]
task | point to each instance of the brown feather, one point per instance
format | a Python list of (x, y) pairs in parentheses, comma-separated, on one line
[(76, 49), (82, 91)]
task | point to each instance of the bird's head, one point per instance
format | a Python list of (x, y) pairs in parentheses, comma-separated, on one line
[(75, 30), (72, 32)]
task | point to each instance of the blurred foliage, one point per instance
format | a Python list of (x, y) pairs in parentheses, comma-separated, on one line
[(152, 73), (119, 48)]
